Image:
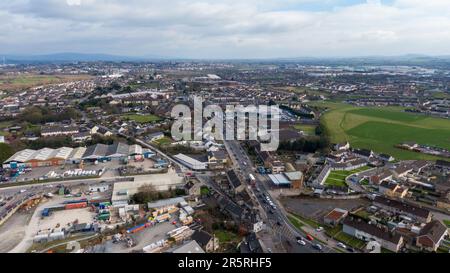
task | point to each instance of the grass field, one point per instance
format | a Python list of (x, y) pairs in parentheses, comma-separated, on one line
[(12, 83), (295, 221), (225, 236), (142, 118), (337, 178), (164, 141), (349, 240), (380, 129), (447, 223), (307, 129)]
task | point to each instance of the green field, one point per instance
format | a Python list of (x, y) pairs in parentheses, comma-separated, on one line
[(337, 178), (380, 129), (447, 223), (142, 118), (307, 129), (19, 82)]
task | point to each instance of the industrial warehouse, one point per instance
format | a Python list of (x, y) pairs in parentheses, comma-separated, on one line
[(96, 153)]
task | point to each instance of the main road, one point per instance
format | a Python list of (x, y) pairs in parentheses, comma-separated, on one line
[(275, 218)]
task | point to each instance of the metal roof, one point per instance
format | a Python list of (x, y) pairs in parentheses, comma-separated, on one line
[(279, 179)]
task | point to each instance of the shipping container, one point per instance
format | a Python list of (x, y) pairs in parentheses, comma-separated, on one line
[(75, 201), (136, 228), (103, 217), (57, 208), (76, 205)]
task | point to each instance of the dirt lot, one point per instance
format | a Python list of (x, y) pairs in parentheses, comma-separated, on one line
[(13, 231), (142, 239), (316, 208)]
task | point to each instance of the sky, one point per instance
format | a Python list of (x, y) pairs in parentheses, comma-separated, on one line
[(226, 28)]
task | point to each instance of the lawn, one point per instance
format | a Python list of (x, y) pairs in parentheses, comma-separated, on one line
[(447, 223), (337, 178), (225, 236), (163, 141), (303, 221), (142, 118), (295, 221), (380, 129), (350, 240), (307, 129)]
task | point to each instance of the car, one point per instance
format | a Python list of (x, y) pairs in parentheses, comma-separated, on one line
[(279, 223), (301, 242), (271, 211), (298, 238), (318, 247), (350, 249), (309, 237), (341, 245), (319, 229)]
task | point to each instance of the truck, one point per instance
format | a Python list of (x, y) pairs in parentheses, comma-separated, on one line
[(252, 179)]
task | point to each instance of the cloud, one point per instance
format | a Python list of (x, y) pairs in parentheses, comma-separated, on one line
[(226, 28)]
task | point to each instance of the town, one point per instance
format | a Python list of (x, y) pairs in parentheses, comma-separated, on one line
[(89, 164)]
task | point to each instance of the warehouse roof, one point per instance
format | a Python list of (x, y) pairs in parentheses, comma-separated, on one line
[(135, 149), (297, 175), (118, 148), (77, 153), (279, 179), (191, 247), (40, 155), (98, 150)]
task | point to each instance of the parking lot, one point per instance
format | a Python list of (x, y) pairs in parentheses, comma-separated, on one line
[(40, 172), (316, 208)]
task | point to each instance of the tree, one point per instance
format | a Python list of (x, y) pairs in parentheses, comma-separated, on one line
[(6, 151), (145, 194)]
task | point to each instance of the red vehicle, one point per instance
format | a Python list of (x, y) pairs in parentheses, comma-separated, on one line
[(309, 237)]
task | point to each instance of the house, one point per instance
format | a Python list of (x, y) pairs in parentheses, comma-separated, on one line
[(386, 157), (217, 159), (364, 153), (206, 241), (235, 182), (443, 164), (402, 170), (431, 235), (342, 146), (104, 132), (277, 166), (334, 217), (379, 178), (52, 131), (81, 137), (392, 189), (415, 212), (359, 228), (251, 244)]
